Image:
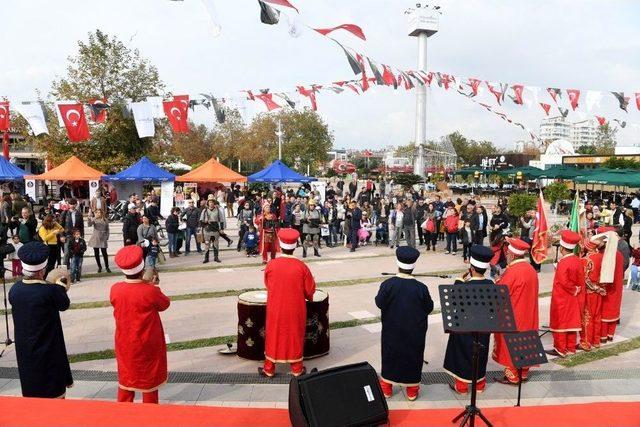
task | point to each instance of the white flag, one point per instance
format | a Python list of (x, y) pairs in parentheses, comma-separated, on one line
[(143, 117), (33, 114), (533, 99), (593, 99), (155, 103), (214, 25)]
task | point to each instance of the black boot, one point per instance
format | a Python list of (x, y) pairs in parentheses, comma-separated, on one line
[(206, 257), (304, 252), (316, 252), (215, 255)]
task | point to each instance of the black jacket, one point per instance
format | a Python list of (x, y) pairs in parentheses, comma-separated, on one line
[(130, 228), (67, 222), (192, 216), (172, 224), (478, 230)]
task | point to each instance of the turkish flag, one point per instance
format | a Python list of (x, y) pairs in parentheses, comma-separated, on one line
[(177, 112), (311, 94), (365, 82), (517, 91), (601, 120), (574, 97), (545, 107), (4, 115), (352, 28), (388, 77), (638, 100), (475, 84), (267, 98), (5, 145), (75, 122), (540, 234), (98, 109)]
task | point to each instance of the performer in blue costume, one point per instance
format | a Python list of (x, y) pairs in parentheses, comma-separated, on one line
[(458, 360), (405, 304), (36, 304)]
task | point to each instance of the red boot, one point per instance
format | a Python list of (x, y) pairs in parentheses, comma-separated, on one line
[(460, 387), (412, 392), (482, 384), (387, 388)]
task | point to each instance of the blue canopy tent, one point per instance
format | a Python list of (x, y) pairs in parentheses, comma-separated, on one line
[(9, 171), (143, 170), (278, 172)]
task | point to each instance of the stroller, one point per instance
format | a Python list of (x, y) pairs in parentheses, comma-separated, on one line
[(117, 211)]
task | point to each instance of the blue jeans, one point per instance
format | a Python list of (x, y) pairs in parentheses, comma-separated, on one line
[(150, 262), (173, 242), (191, 231), (76, 267), (634, 274)]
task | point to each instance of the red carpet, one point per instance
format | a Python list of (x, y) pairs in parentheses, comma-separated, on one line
[(17, 411)]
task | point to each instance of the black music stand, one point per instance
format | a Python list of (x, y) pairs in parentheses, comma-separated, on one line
[(525, 349), (475, 309)]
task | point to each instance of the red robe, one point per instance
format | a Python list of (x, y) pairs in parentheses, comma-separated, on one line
[(566, 314), (141, 351), (264, 246), (522, 281), (289, 284), (612, 301)]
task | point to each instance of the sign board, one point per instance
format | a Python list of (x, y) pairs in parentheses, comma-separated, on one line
[(320, 187), (423, 20), (93, 187), (30, 188), (166, 198)]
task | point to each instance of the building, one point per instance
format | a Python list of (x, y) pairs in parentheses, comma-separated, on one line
[(582, 133)]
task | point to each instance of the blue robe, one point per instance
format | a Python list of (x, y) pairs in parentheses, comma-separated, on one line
[(405, 304), (458, 360), (40, 349)]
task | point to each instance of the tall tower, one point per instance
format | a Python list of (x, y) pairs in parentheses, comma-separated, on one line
[(423, 23)]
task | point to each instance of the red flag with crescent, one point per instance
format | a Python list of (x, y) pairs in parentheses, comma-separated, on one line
[(75, 122), (98, 109), (540, 234), (574, 97), (601, 120), (4, 116), (267, 98), (5, 144), (475, 84), (545, 107), (309, 93), (638, 100), (352, 28), (177, 112), (517, 94)]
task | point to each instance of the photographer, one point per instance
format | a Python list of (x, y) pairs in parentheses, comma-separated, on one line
[(312, 219), (210, 223)]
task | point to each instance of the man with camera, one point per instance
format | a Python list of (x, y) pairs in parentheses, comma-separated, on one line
[(311, 228), (36, 304), (210, 222)]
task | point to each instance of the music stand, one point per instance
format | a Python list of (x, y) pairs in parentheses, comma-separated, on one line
[(475, 309), (525, 349)]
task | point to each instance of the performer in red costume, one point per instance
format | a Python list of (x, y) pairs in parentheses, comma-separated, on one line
[(289, 285), (268, 225), (141, 351), (612, 276), (566, 317), (522, 280), (592, 312)]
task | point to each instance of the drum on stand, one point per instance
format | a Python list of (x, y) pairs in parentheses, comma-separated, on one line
[(252, 315)]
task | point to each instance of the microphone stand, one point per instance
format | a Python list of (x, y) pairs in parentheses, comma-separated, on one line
[(8, 341)]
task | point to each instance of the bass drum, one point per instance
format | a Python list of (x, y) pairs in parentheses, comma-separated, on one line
[(316, 339)]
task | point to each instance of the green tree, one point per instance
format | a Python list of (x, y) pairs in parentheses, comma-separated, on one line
[(407, 180), (521, 203), (469, 150), (407, 151), (556, 191), (620, 163), (605, 143)]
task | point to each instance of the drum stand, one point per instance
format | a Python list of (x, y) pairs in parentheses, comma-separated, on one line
[(8, 341)]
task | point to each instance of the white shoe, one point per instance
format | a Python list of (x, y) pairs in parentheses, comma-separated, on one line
[(447, 252)]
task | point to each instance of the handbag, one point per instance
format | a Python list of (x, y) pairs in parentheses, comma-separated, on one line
[(200, 236), (212, 227), (324, 230)]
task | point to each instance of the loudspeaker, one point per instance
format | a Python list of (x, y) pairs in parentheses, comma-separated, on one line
[(342, 396)]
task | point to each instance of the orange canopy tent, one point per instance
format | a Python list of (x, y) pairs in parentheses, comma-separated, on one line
[(73, 169), (212, 171)]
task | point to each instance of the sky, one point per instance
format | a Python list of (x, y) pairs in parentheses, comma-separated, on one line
[(577, 44)]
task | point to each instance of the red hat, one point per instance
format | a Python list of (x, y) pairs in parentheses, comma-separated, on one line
[(604, 229), (591, 245), (130, 259), (569, 239), (288, 238), (518, 246)]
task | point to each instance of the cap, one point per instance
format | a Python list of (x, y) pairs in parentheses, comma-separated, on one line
[(604, 228), (131, 206), (518, 246), (569, 239), (480, 256), (33, 256), (130, 259), (288, 238), (406, 257)]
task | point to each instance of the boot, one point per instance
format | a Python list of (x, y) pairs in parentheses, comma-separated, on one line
[(304, 252), (206, 257), (428, 248), (387, 389), (316, 252), (412, 392), (215, 255), (172, 255)]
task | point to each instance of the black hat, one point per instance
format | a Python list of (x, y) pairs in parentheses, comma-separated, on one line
[(33, 256), (480, 256), (406, 257)]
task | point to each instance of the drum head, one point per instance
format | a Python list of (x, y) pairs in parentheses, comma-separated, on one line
[(253, 297), (320, 295)]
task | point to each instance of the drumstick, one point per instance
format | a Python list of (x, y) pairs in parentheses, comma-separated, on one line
[(440, 276)]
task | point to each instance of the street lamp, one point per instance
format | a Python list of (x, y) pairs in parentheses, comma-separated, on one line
[(423, 23)]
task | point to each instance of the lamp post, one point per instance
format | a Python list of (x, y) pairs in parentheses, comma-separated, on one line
[(423, 23), (279, 133)]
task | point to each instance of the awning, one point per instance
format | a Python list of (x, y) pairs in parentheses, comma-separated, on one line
[(278, 172), (71, 170), (9, 171), (143, 170), (212, 171), (527, 171)]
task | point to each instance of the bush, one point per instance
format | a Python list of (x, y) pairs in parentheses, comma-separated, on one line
[(521, 203), (556, 191), (407, 180)]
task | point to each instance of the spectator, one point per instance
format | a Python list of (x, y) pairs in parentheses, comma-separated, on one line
[(146, 233), (99, 240), (27, 225), (251, 241), (172, 224), (467, 241), (153, 251), (409, 223), (71, 219), (130, 225), (429, 226), (49, 232), (192, 216), (451, 228), (98, 201), (77, 248), (16, 265)]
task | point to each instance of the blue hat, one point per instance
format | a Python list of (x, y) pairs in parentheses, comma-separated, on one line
[(33, 256), (407, 257), (480, 256)]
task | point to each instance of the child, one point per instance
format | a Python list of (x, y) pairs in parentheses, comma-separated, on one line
[(467, 241), (152, 254), (77, 248), (16, 265), (635, 267), (250, 241)]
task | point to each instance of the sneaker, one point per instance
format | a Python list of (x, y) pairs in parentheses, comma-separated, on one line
[(454, 253), (447, 252)]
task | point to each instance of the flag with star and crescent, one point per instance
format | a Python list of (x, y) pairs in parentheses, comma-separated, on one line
[(75, 122), (4, 115), (177, 112)]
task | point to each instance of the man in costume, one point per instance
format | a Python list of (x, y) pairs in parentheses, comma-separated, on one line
[(592, 311), (210, 219), (36, 304), (568, 283), (522, 280), (290, 285), (458, 359), (312, 218), (612, 277), (267, 224), (354, 216), (141, 351), (405, 304)]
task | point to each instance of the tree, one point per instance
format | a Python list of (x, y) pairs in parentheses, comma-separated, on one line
[(521, 203), (620, 163), (605, 143), (406, 151), (556, 191), (469, 150), (408, 180)]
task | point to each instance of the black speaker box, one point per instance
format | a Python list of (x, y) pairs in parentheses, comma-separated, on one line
[(342, 396)]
